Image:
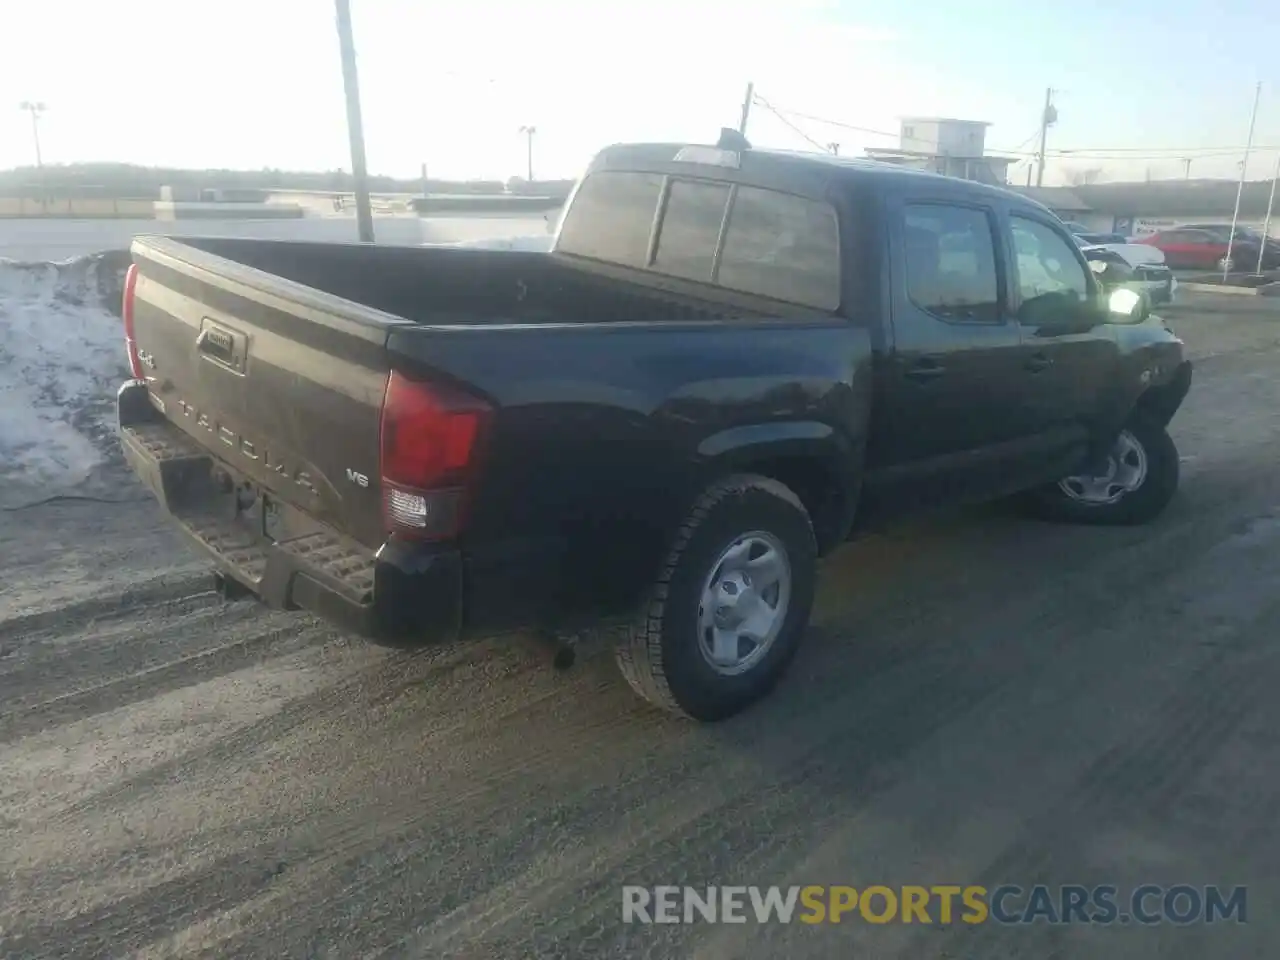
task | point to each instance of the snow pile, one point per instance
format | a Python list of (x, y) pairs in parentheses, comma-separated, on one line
[(61, 359)]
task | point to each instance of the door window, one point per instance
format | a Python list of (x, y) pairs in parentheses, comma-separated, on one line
[(1053, 286), (951, 262)]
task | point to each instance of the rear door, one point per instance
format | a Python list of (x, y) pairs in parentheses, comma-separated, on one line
[(280, 382)]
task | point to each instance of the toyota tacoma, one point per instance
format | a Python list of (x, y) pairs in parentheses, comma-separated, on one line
[(730, 361)]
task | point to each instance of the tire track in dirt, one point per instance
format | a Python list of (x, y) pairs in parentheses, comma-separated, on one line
[(1171, 740), (910, 694), (18, 630), (832, 769), (154, 679), (913, 693), (457, 801)]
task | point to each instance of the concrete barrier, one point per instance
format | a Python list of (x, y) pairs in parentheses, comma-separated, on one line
[(167, 210), (78, 208)]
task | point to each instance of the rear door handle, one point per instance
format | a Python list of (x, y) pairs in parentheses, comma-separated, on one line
[(1039, 362), (926, 368)]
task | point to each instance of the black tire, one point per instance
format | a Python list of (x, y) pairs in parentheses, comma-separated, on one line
[(660, 656), (1141, 505)]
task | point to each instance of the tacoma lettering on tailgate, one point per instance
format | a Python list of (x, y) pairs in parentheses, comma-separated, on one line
[(246, 448)]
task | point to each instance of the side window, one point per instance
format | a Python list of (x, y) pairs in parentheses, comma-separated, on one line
[(1052, 284), (691, 229), (1046, 263), (782, 246), (951, 262), (611, 217)]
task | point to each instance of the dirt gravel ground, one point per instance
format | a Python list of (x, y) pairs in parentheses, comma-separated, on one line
[(981, 700)]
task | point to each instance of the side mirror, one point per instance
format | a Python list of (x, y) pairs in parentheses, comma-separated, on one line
[(1125, 302)]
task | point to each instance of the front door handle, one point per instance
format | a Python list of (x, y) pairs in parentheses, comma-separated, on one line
[(926, 368), (1039, 362)]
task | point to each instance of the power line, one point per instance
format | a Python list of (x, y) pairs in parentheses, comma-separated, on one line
[(765, 103), (1081, 153), (779, 111)]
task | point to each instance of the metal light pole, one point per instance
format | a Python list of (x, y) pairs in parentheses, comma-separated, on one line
[(35, 108), (1244, 164), (355, 124), (529, 132), (1266, 224)]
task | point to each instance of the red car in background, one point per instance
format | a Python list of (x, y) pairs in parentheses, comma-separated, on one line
[(1205, 247)]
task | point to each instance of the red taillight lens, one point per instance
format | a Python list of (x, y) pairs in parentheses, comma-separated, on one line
[(428, 447), (126, 312)]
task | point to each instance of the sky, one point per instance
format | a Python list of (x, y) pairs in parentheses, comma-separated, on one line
[(1139, 85)]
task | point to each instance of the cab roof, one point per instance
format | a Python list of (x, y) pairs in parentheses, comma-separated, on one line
[(793, 170)]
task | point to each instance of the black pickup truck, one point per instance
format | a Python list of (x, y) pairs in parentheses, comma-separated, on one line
[(731, 361)]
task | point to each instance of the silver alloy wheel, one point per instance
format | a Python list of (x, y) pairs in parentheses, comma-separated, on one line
[(1126, 472), (744, 603)]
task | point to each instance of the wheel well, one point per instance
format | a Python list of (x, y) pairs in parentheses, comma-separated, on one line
[(819, 488), (1161, 402)]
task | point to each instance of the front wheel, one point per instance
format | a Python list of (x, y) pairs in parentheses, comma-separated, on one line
[(728, 609), (1139, 478)]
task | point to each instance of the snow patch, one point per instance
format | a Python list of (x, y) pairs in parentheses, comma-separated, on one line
[(61, 360)]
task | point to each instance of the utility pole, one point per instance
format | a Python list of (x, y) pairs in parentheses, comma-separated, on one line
[(746, 108), (1186, 168), (1266, 224), (355, 123), (35, 108), (1244, 164), (834, 148), (529, 132), (1050, 115)]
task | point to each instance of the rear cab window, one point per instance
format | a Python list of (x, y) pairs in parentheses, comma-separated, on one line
[(743, 238)]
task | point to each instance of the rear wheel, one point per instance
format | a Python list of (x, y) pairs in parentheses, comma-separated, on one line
[(728, 610), (1134, 485)]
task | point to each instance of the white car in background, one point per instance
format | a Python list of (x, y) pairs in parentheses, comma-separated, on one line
[(1138, 266)]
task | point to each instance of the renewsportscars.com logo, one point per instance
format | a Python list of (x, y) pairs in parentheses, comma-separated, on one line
[(1147, 904)]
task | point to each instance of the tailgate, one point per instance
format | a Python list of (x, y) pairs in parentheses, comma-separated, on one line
[(280, 382)]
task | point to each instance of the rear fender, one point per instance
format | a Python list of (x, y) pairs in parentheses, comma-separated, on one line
[(819, 463)]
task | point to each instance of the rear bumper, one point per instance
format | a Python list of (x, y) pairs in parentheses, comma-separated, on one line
[(403, 591)]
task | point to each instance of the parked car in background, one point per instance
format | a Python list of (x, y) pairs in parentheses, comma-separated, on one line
[(1119, 265), (1099, 238), (1205, 247)]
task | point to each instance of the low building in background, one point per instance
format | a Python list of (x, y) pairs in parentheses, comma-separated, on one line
[(953, 148)]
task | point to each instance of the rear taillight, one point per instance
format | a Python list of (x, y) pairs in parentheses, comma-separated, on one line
[(126, 311), (429, 440)]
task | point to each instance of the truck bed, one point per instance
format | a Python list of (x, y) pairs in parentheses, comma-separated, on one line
[(452, 286)]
